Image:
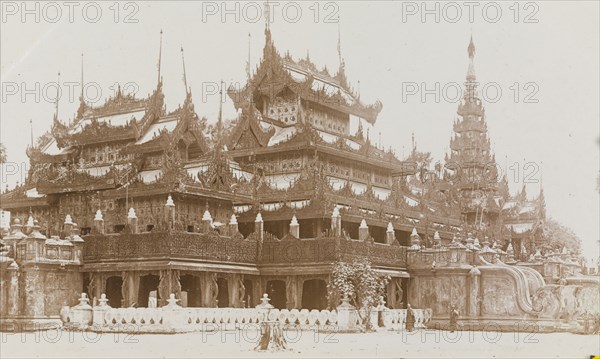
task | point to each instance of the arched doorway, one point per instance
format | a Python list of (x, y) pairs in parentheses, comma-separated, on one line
[(276, 291), (113, 291), (314, 294), (148, 283), (223, 295), (190, 285)]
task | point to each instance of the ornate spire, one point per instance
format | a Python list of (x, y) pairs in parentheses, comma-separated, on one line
[(339, 49), (81, 84), (57, 96), (267, 20), (248, 71), (471, 78), (220, 119), (160, 57), (184, 75), (31, 131)]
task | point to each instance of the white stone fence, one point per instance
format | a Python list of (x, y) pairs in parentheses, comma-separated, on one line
[(173, 318)]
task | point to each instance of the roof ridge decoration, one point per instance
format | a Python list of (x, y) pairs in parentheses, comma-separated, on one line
[(273, 74)]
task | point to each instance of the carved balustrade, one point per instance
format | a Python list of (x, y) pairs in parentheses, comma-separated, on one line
[(168, 319), (211, 246)]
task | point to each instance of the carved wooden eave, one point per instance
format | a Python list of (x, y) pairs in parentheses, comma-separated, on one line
[(78, 186), (187, 130), (273, 76), (75, 181), (37, 156), (139, 190), (96, 132), (249, 126), (17, 198)]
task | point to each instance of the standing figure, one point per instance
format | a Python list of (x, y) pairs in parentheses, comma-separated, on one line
[(453, 318), (410, 319)]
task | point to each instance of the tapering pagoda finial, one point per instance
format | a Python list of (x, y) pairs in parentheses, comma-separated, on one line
[(31, 132), (471, 48), (81, 84), (471, 85), (220, 119), (248, 71), (184, 74), (160, 55), (267, 19), (339, 48), (57, 95)]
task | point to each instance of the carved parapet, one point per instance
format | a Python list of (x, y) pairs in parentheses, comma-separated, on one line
[(210, 246)]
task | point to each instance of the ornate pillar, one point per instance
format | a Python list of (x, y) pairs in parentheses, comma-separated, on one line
[(97, 286), (13, 289), (258, 288), (169, 284), (391, 293), (210, 290), (236, 290), (473, 298), (130, 288), (299, 290), (33, 282), (291, 290)]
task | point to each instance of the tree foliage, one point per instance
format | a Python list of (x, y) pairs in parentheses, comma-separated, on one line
[(360, 284), (2, 154), (559, 236)]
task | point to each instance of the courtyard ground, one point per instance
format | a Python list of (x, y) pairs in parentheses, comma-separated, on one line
[(419, 344)]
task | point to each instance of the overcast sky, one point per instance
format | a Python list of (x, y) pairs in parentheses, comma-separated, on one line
[(543, 56)]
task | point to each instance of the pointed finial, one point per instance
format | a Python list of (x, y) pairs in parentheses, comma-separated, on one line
[(57, 95), (471, 48), (98, 216), (31, 131), (248, 71), (294, 221), (160, 55), (220, 119), (267, 17), (233, 219), (258, 217), (184, 75), (81, 84), (339, 48)]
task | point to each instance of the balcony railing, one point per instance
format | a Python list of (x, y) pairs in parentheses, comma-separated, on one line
[(215, 247), (196, 246)]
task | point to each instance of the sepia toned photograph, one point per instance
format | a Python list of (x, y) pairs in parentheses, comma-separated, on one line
[(300, 179)]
